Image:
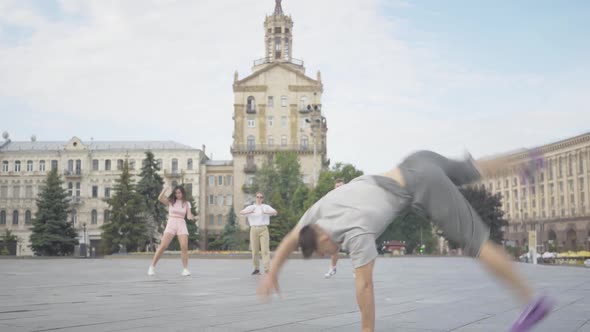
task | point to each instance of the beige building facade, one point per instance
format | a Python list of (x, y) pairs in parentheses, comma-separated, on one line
[(553, 200), (276, 108), (89, 171)]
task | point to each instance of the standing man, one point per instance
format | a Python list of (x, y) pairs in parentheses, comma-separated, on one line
[(332, 271), (258, 215)]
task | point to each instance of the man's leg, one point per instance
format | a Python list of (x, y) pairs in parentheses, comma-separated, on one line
[(255, 244), (265, 248), (332, 270), (436, 196)]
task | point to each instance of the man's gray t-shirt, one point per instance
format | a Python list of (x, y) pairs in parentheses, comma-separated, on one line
[(356, 214)]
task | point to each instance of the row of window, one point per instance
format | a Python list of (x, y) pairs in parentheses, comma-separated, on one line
[(221, 200), (76, 165), (251, 141), (270, 102), (220, 180), (533, 188), (15, 217)]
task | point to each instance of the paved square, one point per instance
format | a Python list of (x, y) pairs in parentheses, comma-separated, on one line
[(412, 294)]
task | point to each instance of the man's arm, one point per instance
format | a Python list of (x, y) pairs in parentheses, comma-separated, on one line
[(269, 210), (285, 248), (364, 295), (247, 210)]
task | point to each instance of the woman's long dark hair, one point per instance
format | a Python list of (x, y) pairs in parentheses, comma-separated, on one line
[(172, 197)]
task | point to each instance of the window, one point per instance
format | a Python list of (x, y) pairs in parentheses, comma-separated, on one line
[(303, 103), (211, 199), (277, 29), (95, 164), (572, 201), (251, 123), (271, 141), (71, 165), (28, 219), (219, 199), (286, 48), (514, 181), (42, 166), (270, 102), (270, 121), (570, 185), (542, 176), (581, 163), (570, 165), (54, 165), (119, 164), (220, 180), (284, 140), (107, 192), (29, 166), (561, 188), (107, 216), (78, 166), (283, 121), (219, 220), (228, 180), (94, 217), (552, 189), (284, 101), (304, 142), (211, 219), (560, 170), (70, 189), (159, 163), (94, 191), (507, 194), (107, 165), (29, 191), (5, 166), (211, 180), (507, 183), (251, 142), (189, 164), (581, 184), (229, 200), (15, 217), (132, 164), (2, 217), (250, 105), (515, 192), (77, 189), (16, 192), (551, 169), (17, 166), (277, 47), (174, 165), (74, 217), (3, 191)]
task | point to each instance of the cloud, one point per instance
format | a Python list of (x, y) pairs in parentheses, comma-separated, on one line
[(163, 69)]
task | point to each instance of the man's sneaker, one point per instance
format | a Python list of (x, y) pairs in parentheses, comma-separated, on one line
[(256, 272), (185, 273), (532, 314), (151, 271), (331, 272)]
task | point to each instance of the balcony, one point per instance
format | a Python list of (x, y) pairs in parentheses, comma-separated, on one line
[(265, 148), (250, 110), (250, 168), (73, 173), (172, 174), (76, 200), (266, 60)]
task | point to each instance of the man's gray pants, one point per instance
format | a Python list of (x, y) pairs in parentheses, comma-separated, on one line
[(432, 181)]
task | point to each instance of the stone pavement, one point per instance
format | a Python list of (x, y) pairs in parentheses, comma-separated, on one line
[(412, 294)]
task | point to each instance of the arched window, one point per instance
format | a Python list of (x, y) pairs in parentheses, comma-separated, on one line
[(107, 216), (189, 164), (15, 217), (28, 219), (174, 165), (304, 142), (2, 217), (94, 217), (251, 105)]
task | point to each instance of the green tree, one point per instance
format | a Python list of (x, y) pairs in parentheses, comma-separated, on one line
[(8, 240), (52, 234), (127, 225), (327, 180), (489, 208), (230, 238), (149, 187), (412, 229)]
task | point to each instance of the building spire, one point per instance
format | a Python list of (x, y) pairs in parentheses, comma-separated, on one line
[(278, 8)]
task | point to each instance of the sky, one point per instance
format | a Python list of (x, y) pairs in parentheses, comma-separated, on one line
[(448, 76)]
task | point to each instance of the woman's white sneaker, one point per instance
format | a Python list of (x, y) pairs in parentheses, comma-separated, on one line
[(151, 271), (186, 273)]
